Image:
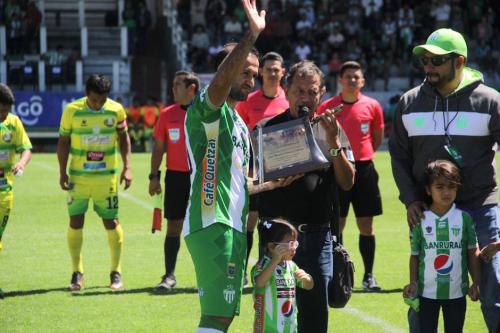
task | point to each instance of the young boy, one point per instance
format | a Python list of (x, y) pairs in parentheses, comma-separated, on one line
[(443, 248)]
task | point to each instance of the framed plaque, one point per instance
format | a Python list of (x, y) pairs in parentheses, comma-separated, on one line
[(285, 149)]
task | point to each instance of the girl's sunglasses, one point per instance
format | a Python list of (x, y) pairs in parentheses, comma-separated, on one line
[(292, 245), (435, 61)]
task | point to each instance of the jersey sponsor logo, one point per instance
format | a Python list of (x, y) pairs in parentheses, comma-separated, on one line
[(4, 155), (94, 166), (174, 134), (95, 156), (96, 139), (259, 313), (209, 172), (7, 137), (442, 245), (284, 282), (109, 122), (443, 264), (287, 308), (365, 127), (229, 293)]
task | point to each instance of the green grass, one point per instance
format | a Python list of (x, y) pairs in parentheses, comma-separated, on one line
[(35, 267)]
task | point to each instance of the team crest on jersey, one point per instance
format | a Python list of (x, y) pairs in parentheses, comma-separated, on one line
[(109, 122), (83, 123), (229, 294), (96, 129), (7, 137), (231, 270), (455, 231), (174, 134), (428, 229), (365, 127)]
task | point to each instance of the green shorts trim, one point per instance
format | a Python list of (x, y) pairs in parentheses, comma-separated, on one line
[(219, 255)]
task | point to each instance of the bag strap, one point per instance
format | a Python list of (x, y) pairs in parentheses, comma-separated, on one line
[(334, 223)]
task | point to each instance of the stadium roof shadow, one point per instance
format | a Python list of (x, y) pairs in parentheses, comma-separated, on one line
[(383, 291), (86, 292)]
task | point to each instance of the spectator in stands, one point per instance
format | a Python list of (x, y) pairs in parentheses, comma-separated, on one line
[(70, 65), (32, 21), (232, 29), (441, 13), (129, 21), (213, 50), (199, 47), (303, 27), (55, 63), (143, 19), (216, 9), (335, 39), (15, 32), (302, 50), (372, 6), (150, 113), (136, 124), (308, 10), (197, 12)]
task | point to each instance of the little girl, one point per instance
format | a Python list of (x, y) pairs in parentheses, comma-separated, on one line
[(443, 248), (274, 278)]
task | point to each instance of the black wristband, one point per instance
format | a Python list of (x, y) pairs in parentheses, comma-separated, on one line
[(154, 176)]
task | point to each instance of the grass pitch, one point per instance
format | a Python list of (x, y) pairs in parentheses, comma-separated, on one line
[(35, 267)]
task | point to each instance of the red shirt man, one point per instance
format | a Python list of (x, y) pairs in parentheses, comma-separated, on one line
[(169, 138), (363, 121)]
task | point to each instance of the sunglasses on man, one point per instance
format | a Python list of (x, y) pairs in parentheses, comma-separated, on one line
[(436, 61)]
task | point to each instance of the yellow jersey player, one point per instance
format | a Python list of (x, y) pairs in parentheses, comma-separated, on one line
[(94, 131), (13, 140)]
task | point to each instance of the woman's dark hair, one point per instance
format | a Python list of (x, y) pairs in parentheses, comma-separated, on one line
[(274, 230), (442, 168)]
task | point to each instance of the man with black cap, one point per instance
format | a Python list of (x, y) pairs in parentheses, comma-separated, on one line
[(452, 115)]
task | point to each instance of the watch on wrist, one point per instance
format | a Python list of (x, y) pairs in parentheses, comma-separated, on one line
[(154, 175), (334, 152)]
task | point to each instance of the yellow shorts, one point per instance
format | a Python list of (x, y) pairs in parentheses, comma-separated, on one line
[(102, 190), (6, 201)]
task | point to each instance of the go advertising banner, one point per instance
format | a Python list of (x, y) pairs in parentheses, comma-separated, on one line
[(42, 109)]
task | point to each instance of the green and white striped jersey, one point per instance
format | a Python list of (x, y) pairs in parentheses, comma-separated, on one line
[(219, 152), (441, 244), (275, 306)]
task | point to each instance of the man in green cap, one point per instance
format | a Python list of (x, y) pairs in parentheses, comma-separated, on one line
[(452, 115)]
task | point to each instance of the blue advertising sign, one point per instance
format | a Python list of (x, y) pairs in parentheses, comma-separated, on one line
[(42, 109)]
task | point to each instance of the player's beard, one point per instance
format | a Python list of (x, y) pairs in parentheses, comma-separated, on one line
[(444, 79), (237, 94)]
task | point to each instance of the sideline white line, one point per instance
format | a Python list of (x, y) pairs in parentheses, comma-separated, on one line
[(387, 327)]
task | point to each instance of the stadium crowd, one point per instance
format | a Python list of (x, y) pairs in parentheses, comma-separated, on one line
[(379, 34)]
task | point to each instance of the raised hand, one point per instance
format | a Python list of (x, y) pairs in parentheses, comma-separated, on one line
[(256, 20)]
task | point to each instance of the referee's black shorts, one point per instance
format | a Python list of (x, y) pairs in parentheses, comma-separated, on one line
[(364, 195), (177, 186)]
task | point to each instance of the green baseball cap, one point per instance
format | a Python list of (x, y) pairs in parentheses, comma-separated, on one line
[(443, 41)]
